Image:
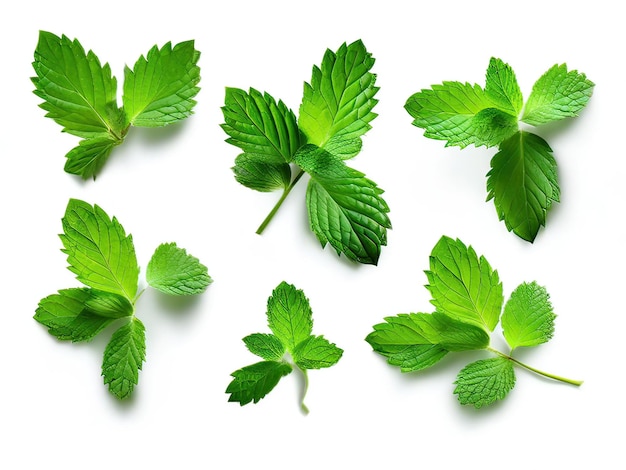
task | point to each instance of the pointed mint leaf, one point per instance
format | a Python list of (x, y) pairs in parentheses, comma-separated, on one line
[(501, 87), (289, 315), (251, 383), (483, 382), (316, 352), (266, 346), (173, 271)]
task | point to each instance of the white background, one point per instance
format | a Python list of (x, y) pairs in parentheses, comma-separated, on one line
[(175, 184)]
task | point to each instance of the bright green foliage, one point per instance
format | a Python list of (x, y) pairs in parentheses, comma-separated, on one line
[(289, 316), (528, 319), (123, 358), (103, 258), (522, 181), (345, 208), (468, 298), (483, 382), (80, 94), (172, 271)]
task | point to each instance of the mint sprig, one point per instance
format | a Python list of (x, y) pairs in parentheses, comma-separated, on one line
[(80, 94), (467, 295), (346, 210), (523, 178), (291, 344), (103, 258)]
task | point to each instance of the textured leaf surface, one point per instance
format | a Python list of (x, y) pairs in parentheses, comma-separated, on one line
[(558, 94), (258, 125), (523, 183), (251, 383), (172, 271), (502, 88), (339, 100), (123, 358), (483, 382), (66, 318), (345, 208), (108, 305), (88, 158), (266, 346), (98, 250), (160, 88), (258, 172), (78, 92), (464, 286), (289, 315), (528, 318), (316, 352), (461, 114)]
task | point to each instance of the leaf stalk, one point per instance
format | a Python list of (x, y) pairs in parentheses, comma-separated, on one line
[(272, 213)]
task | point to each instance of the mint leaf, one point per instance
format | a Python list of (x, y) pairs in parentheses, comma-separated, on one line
[(98, 250), (558, 94), (172, 271), (483, 382), (523, 183), (316, 352), (292, 345), (103, 257), (522, 180), (461, 114), (345, 208), (265, 345), (289, 315), (464, 286), (251, 383), (123, 358), (339, 101), (257, 124), (467, 295), (528, 319), (65, 315), (80, 94), (159, 90), (260, 173)]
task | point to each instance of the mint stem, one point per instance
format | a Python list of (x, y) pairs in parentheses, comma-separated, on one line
[(578, 383), (303, 407), (270, 216)]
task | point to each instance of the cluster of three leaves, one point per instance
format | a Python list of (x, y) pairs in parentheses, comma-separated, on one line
[(467, 295), (103, 258)]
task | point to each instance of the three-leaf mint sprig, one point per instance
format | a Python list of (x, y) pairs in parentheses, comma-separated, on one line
[(467, 295), (291, 344), (103, 258), (345, 208), (523, 178), (80, 94)]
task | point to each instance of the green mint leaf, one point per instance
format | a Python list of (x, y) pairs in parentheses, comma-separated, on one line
[(65, 315), (461, 114), (464, 286), (316, 352), (468, 298), (78, 92), (108, 305), (172, 271), (261, 173), (289, 315), (159, 90), (345, 208), (98, 250), (251, 383), (501, 87), (483, 382), (558, 94), (528, 318), (123, 358), (258, 125), (523, 183), (292, 344), (266, 346), (339, 101)]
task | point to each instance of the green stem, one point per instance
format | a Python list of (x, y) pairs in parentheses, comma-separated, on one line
[(270, 216), (578, 383), (303, 407)]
